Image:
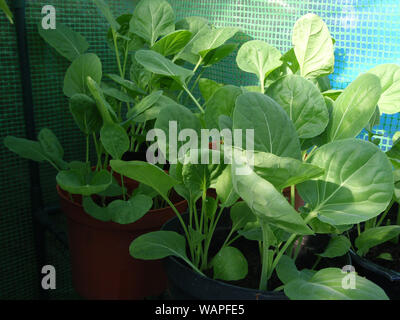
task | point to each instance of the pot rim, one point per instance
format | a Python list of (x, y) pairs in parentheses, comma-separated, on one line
[(389, 274)]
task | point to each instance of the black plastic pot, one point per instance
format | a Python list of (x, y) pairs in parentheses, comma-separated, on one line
[(186, 284), (388, 280)]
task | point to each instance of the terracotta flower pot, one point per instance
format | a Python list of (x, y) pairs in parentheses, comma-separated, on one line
[(102, 267)]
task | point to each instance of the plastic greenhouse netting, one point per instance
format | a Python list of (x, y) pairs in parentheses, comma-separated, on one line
[(367, 33)]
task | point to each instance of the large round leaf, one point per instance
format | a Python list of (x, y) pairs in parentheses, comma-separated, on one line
[(86, 65), (273, 131), (389, 74), (303, 102), (357, 184)]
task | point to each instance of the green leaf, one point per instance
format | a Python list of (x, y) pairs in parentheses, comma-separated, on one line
[(105, 10), (212, 40), (224, 188), (115, 140), (159, 245), (198, 27), (74, 182), (218, 54), (259, 58), (95, 211), (313, 46), (152, 19), (145, 173), (287, 271), (52, 147), (184, 118), (172, 43), (229, 264), (86, 65), (326, 284), (338, 246), (385, 256), (354, 108), (208, 88), (25, 148), (273, 130), (333, 94), (64, 40), (375, 236), (374, 121), (241, 214), (106, 111), (126, 212), (284, 172), (357, 184), (389, 75), (222, 102), (158, 64), (129, 85), (303, 103), (85, 113), (117, 94), (146, 103), (264, 200), (6, 10)]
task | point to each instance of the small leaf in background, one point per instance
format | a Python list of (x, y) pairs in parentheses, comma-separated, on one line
[(105, 10), (354, 108), (224, 188), (259, 58), (159, 245), (385, 256), (313, 46), (85, 65), (106, 111), (115, 140), (389, 75), (85, 113), (208, 88), (374, 121), (172, 43), (229, 264), (152, 19), (129, 85), (25, 148), (287, 271), (211, 207), (338, 246), (146, 173), (126, 212), (241, 214), (52, 147), (64, 40), (94, 210), (333, 94), (146, 103), (6, 10), (116, 94), (222, 102), (158, 64), (212, 40), (218, 54), (327, 284), (375, 236), (198, 27), (74, 182)]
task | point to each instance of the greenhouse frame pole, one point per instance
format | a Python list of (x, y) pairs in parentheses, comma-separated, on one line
[(34, 174)]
